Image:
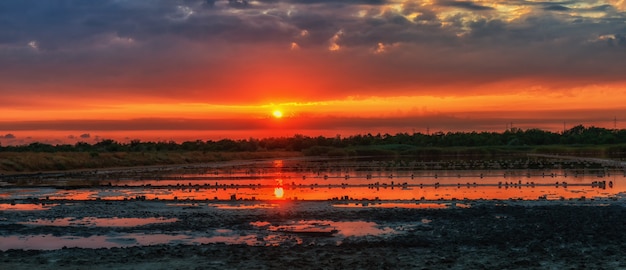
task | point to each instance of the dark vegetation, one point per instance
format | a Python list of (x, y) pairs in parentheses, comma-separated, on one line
[(357, 144), (577, 141)]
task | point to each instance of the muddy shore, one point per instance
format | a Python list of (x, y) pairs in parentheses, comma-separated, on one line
[(488, 235)]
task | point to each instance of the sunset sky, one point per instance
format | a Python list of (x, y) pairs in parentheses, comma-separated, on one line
[(204, 69)]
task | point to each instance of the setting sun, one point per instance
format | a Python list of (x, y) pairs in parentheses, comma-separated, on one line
[(347, 77), (277, 114)]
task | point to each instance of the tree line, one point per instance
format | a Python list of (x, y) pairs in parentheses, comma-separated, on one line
[(578, 135)]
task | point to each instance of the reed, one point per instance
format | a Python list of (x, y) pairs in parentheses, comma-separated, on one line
[(17, 162)]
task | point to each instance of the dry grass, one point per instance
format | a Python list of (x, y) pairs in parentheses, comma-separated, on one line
[(19, 162)]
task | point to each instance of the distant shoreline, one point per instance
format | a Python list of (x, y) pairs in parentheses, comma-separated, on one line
[(38, 163), (579, 142), (50, 162)]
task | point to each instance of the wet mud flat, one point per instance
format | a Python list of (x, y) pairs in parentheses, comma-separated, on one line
[(487, 235)]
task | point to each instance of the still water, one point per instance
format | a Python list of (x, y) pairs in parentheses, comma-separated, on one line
[(265, 185), (528, 179), (262, 234)]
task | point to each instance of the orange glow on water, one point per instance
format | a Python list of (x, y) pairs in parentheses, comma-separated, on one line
[(313, 191), (311, 180), (279, 191)]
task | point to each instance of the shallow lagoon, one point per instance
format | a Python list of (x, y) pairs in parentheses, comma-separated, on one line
[(339, 179), (46, 207)]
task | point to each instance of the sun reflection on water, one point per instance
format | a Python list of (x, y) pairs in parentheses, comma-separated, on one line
[(279, 192)]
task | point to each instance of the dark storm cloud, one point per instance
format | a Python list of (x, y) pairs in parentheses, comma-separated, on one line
[(70, 24), (465, 5), (617, 40), (556, 8), (603, 8), (333, 2), (209, 3), (58, 25), (238, 3)]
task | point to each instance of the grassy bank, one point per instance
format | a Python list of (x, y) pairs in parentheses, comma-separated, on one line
[(14, 162), (23, 162)]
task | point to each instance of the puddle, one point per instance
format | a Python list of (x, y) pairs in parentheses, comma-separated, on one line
[(320, 232), (324, 227), (361, 228), (263, 234), (99, 222), (50, 242), (25, 207)]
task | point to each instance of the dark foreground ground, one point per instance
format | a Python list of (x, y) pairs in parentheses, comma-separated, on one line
[(489, 235)]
